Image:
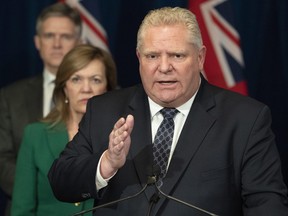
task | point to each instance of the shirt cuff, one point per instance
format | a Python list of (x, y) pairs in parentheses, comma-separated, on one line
[(99, 180)]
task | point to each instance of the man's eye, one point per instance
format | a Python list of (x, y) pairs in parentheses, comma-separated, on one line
[(178, 56), (68, 37), (151, 56), (47, 36)]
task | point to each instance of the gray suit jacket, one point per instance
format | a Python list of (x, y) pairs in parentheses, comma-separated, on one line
[(225, 160), (20, 104)]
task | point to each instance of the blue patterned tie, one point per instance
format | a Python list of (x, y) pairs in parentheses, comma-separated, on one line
[(163, 140)]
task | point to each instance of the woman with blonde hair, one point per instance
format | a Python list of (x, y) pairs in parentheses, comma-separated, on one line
[(85, 71)]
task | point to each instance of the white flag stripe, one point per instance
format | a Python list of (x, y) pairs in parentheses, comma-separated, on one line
[(97, 35), (220, 41)]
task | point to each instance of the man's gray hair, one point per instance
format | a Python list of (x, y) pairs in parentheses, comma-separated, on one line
[(171, 16), (60, 10)]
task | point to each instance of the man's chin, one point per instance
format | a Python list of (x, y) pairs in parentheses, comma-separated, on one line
[(56, 63), (165, 101)]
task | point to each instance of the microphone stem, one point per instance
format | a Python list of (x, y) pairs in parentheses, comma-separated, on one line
[(150, 208), (184, 203), (111, 203), (153, 200)]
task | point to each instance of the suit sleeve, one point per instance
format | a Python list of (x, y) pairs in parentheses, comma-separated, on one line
[(263, 190), (72, 175), (24, 193), (7, 152)]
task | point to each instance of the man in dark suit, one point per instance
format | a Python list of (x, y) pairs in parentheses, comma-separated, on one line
[(222, 158), (58, 30)]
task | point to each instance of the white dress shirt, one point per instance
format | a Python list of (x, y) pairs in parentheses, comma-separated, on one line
[(179, 120), (48, 87), (156, 119)]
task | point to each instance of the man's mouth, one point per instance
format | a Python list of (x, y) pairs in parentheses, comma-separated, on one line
[(167, 82)]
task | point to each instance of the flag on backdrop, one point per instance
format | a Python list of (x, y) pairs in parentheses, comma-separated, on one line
[(224, 61), (93, 32)]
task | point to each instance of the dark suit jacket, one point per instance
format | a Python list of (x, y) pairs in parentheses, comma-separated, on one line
[(20, 104), (225, 160)]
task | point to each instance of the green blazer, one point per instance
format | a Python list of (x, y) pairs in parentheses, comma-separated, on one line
[(32, 194)]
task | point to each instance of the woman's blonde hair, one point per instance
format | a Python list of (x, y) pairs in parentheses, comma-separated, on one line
[(75, 60)]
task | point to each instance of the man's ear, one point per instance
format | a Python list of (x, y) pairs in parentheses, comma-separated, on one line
[(138, 54), (37, 42), (201, 57)]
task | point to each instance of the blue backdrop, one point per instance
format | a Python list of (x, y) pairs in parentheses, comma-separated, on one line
[(262, 24)]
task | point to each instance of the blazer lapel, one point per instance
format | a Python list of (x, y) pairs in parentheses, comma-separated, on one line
[(57, 139), (141, 147)]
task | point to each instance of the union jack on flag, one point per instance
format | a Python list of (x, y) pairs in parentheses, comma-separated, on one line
[(93, 32), (224, 61)]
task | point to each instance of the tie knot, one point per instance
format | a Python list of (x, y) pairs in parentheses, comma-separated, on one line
[(168, 112)]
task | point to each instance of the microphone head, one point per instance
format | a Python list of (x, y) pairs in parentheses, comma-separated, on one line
[(151, 180), (153, 173)]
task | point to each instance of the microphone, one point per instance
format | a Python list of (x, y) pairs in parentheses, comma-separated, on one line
[(153, 200), (156, 174), (150, 181)]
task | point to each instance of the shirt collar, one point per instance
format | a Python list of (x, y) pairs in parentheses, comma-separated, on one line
[(48, 77), (184, 108)]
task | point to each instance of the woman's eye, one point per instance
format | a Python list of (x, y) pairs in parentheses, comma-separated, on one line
[(75, 79), (96, 80)]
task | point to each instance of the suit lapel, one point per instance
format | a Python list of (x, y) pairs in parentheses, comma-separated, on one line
[(141, 146), (34, 98), (27, 108), (196, 127), (57, 139)]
